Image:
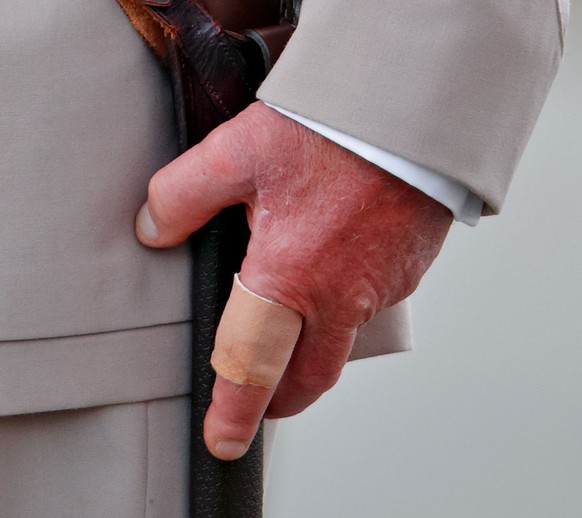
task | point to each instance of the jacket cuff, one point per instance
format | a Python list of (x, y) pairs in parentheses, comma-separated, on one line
[(455, 87)]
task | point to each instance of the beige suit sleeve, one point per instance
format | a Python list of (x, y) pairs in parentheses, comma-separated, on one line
[(453, 86)]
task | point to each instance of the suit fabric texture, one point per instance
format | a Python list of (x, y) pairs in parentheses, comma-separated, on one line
[(94, 328)]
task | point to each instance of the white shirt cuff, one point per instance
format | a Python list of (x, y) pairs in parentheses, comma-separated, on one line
[(464, 204)]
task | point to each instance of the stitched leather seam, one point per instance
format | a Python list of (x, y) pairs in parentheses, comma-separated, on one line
[(235, 64), (216, 96), (220, 37)]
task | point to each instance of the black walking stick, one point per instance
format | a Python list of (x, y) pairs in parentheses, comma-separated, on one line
[(215, 74)]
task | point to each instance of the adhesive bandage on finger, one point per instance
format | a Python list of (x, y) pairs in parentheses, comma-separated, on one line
[(255, 338)]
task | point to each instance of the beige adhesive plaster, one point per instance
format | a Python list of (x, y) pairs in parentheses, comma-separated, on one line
[(255, 338)]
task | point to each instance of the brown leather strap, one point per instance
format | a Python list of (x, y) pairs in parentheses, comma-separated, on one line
[(223, 68), (267, 23), (215, 72)]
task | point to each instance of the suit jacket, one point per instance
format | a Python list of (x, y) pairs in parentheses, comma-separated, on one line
[(88, 317)]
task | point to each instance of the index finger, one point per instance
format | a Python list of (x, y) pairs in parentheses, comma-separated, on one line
[(254, 342)]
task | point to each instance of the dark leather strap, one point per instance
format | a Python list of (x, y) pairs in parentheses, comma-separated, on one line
[(215, 74)]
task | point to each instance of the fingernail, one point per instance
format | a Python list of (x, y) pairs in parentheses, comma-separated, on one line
[(145, 226), (230, 450)]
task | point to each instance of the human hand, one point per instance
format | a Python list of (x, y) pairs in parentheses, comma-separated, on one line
[(333, 237)]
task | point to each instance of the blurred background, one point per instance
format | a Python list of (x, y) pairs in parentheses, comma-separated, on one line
[(484, 417)]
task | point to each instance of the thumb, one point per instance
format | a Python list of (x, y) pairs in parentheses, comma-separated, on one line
[(194, 187)]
